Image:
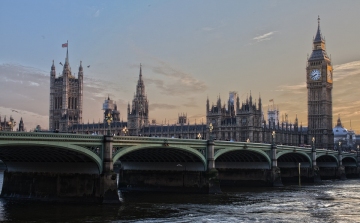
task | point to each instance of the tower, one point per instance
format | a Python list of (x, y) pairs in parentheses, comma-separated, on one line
[(138, 115), (66, 94), (110, 107), (319, 79), (21, 125)]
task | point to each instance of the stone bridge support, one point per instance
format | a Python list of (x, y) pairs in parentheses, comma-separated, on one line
[(275, 174), (341, 170), (108, 184), (315, 169), (212, 174)]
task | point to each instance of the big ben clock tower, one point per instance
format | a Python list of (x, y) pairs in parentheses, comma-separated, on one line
[(319, 79)]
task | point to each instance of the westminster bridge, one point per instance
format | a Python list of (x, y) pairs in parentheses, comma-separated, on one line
[(93, 168)]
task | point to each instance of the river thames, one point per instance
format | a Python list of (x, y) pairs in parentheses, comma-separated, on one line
[(331, 201)]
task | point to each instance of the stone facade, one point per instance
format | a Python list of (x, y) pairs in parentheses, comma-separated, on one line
[(66, 98)]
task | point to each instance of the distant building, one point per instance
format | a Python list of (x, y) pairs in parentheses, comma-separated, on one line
[(347, 138), (66, 98), (247, 123), (100, 128), (8, 125)]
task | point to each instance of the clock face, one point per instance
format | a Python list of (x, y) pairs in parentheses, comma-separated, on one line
[(315, 74)]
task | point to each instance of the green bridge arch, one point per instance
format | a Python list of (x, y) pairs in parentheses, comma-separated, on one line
[(226, 150), (140, 147), (278, 155), (59, 145)]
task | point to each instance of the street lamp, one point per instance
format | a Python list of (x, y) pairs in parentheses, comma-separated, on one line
[(313, 143), (248, 140), (109, 120), (340, 146), (273, 137), (211, 127), (199, 136), (125, 131)]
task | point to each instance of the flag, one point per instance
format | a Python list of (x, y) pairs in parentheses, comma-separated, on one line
[(64, 45), (271, 100)]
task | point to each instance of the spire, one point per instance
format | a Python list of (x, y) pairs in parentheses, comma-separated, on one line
[(81, 67), (140, 74), (53, 66), (318, 37), (67, 52), (339, 121), (250, 98)]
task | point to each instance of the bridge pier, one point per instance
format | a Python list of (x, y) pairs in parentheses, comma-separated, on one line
[(341, 170), (108, 184), (212, 174), (275, 173), (315, 169)]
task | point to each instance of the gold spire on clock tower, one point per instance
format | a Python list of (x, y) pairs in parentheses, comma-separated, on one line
[(319, 84)]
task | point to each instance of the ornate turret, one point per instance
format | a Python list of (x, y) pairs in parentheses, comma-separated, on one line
[(66, 93), (53, 69), (21, 125), (260, 104), (319, 48), (138, 115), (318, 38), (207, 105), (80, 67)]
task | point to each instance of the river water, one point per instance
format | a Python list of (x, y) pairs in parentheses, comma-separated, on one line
[(332, 201)]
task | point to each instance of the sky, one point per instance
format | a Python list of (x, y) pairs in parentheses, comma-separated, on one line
[(189, 51)]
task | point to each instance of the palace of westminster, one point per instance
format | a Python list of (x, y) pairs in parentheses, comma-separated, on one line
[(233, 122)]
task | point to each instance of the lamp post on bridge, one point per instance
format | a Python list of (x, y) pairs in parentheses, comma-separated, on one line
[(275, 172), (125, 131), (199, 136), (211, 127), (273, 150), (109, 119), (272, 137), (313, 144)]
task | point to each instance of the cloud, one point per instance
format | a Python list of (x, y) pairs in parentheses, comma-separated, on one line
[(176, 82), (294, 89), (266, 36), (161, 106), (346, 70), (97, 13), (31, 83), (191, 103)]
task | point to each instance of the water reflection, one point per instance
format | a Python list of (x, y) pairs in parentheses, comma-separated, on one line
[(333, 201)]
